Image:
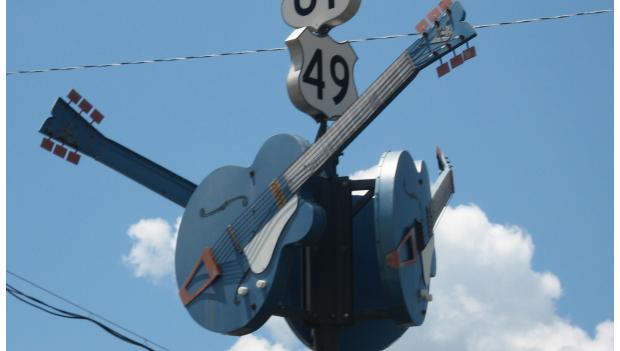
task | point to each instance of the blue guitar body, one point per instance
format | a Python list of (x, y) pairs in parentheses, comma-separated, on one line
[(239, 300), (403, 232)]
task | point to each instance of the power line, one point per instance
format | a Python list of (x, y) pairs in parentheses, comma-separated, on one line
[(65, 314), (258, 51), (38, 304)]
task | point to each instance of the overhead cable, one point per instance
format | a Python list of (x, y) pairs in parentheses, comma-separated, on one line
[(39, 304), (258, 51)]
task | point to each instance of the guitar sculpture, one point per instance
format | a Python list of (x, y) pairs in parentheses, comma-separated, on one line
[(239, 222)]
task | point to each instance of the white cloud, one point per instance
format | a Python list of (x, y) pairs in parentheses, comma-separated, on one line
[(254, 343), (372, 172), (152, 252), (487, 296), (279, 330)]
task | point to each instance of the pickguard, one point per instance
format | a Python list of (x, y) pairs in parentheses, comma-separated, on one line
[(260, 250)]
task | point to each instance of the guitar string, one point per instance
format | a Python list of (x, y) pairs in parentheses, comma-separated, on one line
[(312, 154), (242, 227), (364, 97), (381, 84), (296, 170), (337, 129), (336, 126), (293, 184), (360, 114)]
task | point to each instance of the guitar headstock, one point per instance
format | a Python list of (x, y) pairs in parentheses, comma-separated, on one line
[(444, 31), (69, 128)]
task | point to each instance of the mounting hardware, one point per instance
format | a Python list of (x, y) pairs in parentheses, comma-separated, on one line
[(261, 284)]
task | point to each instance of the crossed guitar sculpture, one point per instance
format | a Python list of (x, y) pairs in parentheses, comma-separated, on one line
[(236, 241), (238, 248)]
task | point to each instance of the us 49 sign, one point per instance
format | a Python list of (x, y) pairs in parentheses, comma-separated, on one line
[(320, 81)]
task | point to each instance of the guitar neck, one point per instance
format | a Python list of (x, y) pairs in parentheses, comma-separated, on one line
[(441, 191), (448, 32), (142, 170), (68, 127), (379, 95)]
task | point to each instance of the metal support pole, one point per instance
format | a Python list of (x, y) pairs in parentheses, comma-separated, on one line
[(328, 264)]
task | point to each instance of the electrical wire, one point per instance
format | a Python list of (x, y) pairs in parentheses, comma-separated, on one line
[(36, 303), (258, 51), (39, 304)]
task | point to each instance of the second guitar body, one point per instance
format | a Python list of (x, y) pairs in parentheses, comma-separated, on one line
[(229, 284)]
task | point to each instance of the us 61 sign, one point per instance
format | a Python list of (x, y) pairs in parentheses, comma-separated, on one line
[(319, 15), (320, 81)]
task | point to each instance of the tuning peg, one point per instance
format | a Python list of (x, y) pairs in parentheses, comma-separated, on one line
[(469, 53), (47, 144), (433, 15), (439, 156), (73, 157), (85, 106), (443, 69), (456, 61), (422, 26), (445, 4), (96, 116), (74, 96), (60, 151)]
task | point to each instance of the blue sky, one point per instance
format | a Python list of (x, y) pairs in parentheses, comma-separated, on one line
[(528, 125)]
